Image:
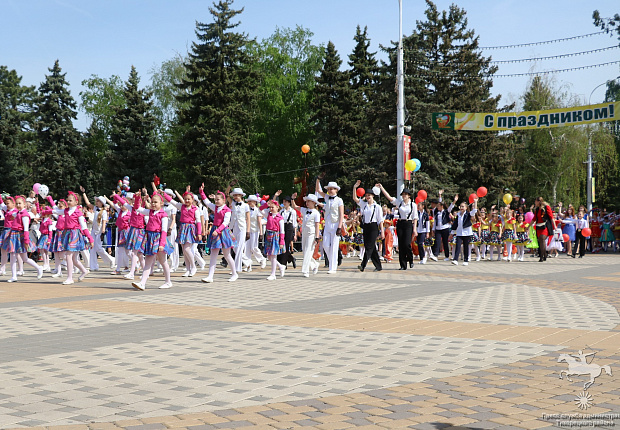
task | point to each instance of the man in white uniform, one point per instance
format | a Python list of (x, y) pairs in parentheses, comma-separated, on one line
[(240, 223), (334, 216)]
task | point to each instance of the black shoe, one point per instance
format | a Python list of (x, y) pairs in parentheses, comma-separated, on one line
[(361, 268), (573, 256), (581, 256), (403, 268), (411, 265), (294, 263), (378, 269)]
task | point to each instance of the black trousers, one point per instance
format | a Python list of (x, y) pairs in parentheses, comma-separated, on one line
[(404, 231), (541, 235), (420, 241), (442, 237), (289, 236), (580, 241), (371, 232), (464, 241)]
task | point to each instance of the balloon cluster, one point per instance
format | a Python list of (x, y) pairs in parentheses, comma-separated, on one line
[(480, 193), (413, 165), (123, 185), (422, 195), (41, 190)]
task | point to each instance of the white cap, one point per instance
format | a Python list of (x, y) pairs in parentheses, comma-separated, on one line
[(237, 191), (102, 200), (129, 195), (252, 198), (376, 191), (333, 185), (169, 192), (311, 198)]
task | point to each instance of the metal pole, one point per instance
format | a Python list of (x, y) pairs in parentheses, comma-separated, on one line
[(400, 113), (589, 180)]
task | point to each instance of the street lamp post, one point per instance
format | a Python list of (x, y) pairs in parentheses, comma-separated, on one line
[(400, 112)]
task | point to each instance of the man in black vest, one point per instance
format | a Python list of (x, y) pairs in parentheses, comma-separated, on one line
[(441, 215), (462, 226)]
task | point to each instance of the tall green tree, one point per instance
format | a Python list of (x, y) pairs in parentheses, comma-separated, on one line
[(60, 146), (287, 63), (133, 149), (610, 25), (218, 97), (447, 73), (16, 135)]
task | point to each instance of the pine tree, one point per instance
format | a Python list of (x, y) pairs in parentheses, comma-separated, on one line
[(59, 145), (334, 127), (16, 136), (219, 92), (133, 149), (452, 76)]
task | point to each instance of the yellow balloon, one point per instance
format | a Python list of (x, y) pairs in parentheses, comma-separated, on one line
[(410, 165), (507, 198)]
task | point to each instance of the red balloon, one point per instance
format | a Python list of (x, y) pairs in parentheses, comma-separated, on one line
[(472, 197), (418, 200), (565, 237), (586, 232), (482, 191), (360, 192), (422, 195)]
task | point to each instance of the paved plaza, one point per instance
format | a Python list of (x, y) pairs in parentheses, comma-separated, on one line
[(435, 347)]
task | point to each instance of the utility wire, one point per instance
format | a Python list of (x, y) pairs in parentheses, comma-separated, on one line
[(545, 42)]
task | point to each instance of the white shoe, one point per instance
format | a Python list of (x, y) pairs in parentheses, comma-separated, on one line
[(465, 263), (186, 274), (244, 269), (282, 270), (45, 269), (233, 278), (456, 263), (423, 261), (207, 280), (263, 263), (306, 275), (82, 276), (138, 286), (446, 259), (57, 275), (315, 270), (21, 273), (432, 257), (271, 278), (14, 280), (166, 285), (478, 258), (68, 282), (249, 268), (331, 272), (193, 272), (40, 274), (128, 276)]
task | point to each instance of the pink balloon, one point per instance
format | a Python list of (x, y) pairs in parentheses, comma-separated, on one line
[(35, 188), (529, 217)]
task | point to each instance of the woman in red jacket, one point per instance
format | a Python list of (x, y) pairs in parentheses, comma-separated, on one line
[(545, 224)]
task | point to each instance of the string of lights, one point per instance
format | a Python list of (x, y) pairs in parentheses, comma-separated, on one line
[(545, 42)]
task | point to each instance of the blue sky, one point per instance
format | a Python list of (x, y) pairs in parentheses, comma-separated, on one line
[(108, 37)]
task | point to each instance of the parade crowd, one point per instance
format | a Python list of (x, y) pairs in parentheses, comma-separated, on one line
[(152, 229)]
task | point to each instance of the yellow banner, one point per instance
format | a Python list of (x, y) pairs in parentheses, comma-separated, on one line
[(531, 120)]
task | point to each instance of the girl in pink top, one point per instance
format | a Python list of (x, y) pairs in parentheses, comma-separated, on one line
[(19, 239), (274, 238), (220, 236), (45, 228), (8, 208), (190, 228), (155, 243), (122, 228), (56, 241), (136, 235), (75, 230)]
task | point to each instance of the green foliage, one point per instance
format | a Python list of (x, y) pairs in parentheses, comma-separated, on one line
[(59, 157), (218, 98), (100, 99), (287, 63), (16, 136), (610, 25), (133, 151)]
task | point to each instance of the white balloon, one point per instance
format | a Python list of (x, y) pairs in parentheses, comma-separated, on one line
[(43, 191)]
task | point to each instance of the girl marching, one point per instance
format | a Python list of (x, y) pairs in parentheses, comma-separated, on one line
[(190, 229), (220, 236), (508, 236), (523, 236), (310, 234), (406, 226), (46, 228), (18, 241), (334, 218), (274, 238), (372, 225), (155, 244), (9, 211), (122, 229), (135, 235), (256, 232)]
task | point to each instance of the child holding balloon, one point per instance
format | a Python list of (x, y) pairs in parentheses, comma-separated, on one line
[(583, 231)]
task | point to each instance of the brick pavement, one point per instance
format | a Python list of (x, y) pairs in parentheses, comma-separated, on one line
[(435, 347)]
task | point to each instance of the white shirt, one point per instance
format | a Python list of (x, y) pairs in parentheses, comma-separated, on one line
[(98, 223), (332, 211), (371, 213), (254, 215), (406, 211), (464, 231), (238, 211), (581, 224), (311, 217), (290, 216)]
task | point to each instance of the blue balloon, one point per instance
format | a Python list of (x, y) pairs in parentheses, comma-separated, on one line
[(418, 164)]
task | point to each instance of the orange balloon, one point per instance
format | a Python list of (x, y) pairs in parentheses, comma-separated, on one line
[(305, 149)]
